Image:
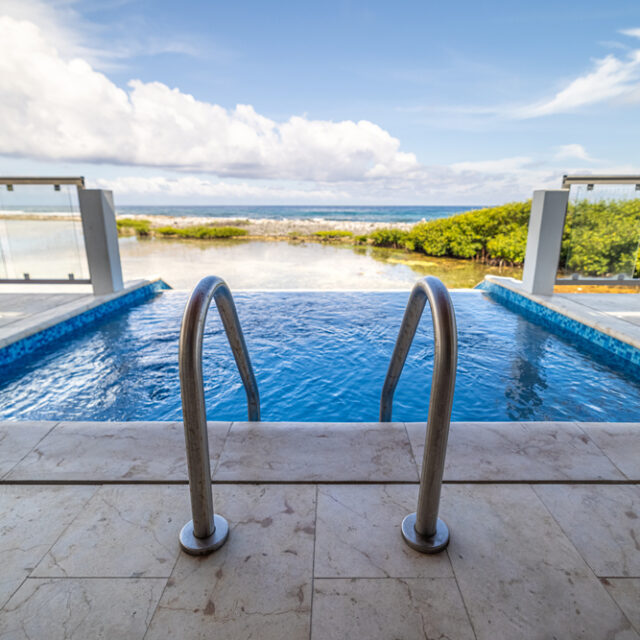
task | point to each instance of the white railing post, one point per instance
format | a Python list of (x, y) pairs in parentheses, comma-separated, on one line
[(101, 240), (544, 239)]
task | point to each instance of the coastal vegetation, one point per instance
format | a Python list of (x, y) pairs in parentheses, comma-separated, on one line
[(600, 238)]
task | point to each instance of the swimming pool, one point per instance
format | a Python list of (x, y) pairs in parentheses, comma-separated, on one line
[(318, 356)]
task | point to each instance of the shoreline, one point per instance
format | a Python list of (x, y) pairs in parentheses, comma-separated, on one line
[(256, 227)]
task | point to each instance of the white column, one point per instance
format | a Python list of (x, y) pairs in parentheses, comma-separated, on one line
[(544, 239), (101, 240)]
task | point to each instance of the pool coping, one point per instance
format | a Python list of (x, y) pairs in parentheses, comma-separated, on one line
[(593, 329), (31, 334)]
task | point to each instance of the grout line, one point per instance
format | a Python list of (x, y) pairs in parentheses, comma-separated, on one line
[(619, 577), (464, 603), (72, 519), (413, 453), (97, 578), (13, 593), (595, 444), (224, 442), (348, 481), (55, 424), (155, 609), (313, 563)]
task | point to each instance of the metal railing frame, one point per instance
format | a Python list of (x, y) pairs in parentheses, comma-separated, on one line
[(56, 182), (423, 530), (207, 531)]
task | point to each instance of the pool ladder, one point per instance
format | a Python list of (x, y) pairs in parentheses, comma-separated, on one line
[(423, 530), (207, 531)]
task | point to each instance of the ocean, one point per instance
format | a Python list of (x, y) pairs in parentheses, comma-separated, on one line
[(408, 214), (285, 212)]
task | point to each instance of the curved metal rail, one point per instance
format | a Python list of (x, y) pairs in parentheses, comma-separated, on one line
[(423, 530), (207, 531)]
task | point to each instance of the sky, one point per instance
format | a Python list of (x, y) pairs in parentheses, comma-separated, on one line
[(339, 102)]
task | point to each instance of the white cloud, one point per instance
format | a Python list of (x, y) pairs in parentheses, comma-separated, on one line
[(576, 151), (611, 78), (63, 109), (196, 187), (634, 33), (56, 106)]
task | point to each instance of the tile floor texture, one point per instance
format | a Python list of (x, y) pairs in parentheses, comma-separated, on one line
[(544, 519)]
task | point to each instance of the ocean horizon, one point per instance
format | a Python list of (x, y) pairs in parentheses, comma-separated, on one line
[(406, 214)]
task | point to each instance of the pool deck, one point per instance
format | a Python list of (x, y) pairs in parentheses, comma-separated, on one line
[(27, 311), (615, 314), (544, 519)]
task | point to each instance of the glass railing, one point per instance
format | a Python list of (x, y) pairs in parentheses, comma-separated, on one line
[(602, 231), (41, 238)]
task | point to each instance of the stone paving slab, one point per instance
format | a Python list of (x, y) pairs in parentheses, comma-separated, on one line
[(258, 585), (99, 451), (303, 559), (519, 575), (395, 608), (520, 451), (128, 531), (358, 530), (626, 593), (309, 451), (603, 523), (320, 452), (99, 609), (31, 519), (620, 442), (17, 439)]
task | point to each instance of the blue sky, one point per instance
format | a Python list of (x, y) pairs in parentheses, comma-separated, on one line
[(344, 102)]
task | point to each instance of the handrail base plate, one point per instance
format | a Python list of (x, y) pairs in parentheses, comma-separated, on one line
[(202, 546), (432, 544)]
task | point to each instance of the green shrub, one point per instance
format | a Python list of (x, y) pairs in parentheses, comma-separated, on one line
[(388, 238), (201, 232), (333, 234), (140, 227), (362, 239)]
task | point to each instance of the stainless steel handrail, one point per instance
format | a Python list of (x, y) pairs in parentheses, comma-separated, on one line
[(423, 530), (207, 531)]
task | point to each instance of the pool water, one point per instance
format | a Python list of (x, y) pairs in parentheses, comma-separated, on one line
[(318, 356)]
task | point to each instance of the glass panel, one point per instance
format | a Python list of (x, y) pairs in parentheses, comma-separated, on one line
[(602, 232), (41, 233)]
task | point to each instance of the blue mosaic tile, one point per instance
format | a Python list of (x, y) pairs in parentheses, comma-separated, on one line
[(611, 349), (18, 349)]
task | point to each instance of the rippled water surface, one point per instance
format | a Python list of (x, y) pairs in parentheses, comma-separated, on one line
[(318, 356)]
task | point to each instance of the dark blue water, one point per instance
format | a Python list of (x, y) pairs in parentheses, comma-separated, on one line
[(362, 214), (317, 357)]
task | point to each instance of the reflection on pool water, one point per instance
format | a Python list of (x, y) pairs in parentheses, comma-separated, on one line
[(318, 356)]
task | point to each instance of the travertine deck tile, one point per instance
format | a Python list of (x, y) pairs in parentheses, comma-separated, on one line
[(519, 575), (124, 531), (626, 592), (17, 439), (358, 534), (518, 451), (603, 523), (31, 519), (99, 609), (410, 609), (258, 585), (620, 441), (114, 451), (265, 452)]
